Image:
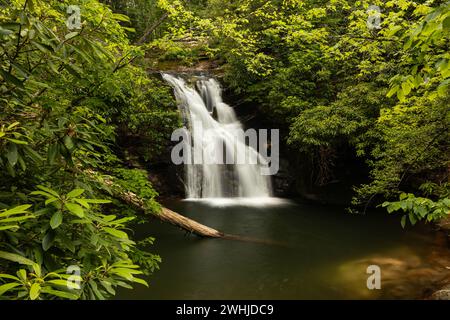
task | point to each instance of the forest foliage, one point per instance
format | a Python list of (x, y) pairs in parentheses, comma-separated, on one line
[(338, 74), (341, 76), (65, 97)]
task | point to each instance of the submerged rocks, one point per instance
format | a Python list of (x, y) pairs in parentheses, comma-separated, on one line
[(444, 224), (442, 294), (404, 275)]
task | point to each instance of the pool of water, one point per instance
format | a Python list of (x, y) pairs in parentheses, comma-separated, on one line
[(290, 251)]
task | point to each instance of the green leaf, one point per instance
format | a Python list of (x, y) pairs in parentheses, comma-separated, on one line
[(422, 211), (97, 292), (446, 23), (48, 240), (108, 287), (412, 218), (20, 218), (53, 67), (141, 281), (15, 258), (393, 30), (115, 232), (56, 220), (68, 143), (443, 87), (52, 192), (12, 154), (82, 54), (52, 153), (6, 287), (400, 95), (22, 164), (123, 220), (390, 208), (8, 276), (75, 193), (406, 88), (71, 35), (50, 200), (16, 210), (126, 273), (97, 201), (124, 285), (83, 202), (392, 91), (42, 47), (11, 79), (42, 193), (65, 283), (12, 125), (12, 227), (37, 270), (35, 290), (120, 17), (5, 32), (30, 4), (109, 218), (403, 222), (10, 169), (22, 274), (32, 154), (42, 211), (16, 141), (72, 70), (60, 294), (75, 209)]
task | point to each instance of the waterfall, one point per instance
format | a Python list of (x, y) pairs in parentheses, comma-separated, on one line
[(212, 126)]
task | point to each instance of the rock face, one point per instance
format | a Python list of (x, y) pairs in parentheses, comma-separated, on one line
[(283, 183), (442, 294), (206, 66), (444, 224), (167, 179), (404, 275)]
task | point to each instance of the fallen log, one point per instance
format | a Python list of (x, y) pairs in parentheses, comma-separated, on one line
[(188, 224), (164, 214), (174, 218)]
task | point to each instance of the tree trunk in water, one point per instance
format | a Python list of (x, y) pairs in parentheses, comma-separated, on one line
[(176, 219), (167, 215), (188, 224), (172, 217)]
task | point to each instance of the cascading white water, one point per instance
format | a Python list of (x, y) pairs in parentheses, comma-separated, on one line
[(204, 111)]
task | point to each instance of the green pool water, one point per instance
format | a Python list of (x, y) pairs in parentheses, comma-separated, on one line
[(292, 251)]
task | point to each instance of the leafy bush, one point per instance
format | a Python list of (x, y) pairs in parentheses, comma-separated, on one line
[(419, 208), (63, 232), (64, 95), (136, 181)]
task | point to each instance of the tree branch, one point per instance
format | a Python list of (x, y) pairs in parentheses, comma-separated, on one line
[(150, 29)]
